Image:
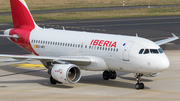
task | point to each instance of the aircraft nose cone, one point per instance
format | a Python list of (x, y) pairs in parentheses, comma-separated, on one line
[(164, 64)]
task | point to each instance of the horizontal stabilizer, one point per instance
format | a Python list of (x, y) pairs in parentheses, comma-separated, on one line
[(9, 36)]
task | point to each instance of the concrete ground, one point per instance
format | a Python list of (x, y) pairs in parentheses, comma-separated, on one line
[(30, 82)]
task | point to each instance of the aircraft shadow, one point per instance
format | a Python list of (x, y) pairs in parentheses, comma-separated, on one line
[(98, 80), (90, 79)]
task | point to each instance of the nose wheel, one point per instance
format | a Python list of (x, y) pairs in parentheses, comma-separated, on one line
[(139, 84)]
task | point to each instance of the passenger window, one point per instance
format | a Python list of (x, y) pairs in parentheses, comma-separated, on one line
[(154, 51), (94, 47), (160, 50), (86, 46), (146, 51), (97, 48), (81, 46), (103, 48), (89, 47), (141, 51), (116, 50), (100, 48)]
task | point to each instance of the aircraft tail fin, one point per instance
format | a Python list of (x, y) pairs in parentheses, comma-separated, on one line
[(21, 15)]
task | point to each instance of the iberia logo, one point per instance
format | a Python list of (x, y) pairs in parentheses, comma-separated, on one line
[(60, 71)]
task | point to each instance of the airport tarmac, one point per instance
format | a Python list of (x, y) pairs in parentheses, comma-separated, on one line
[(28, 81)]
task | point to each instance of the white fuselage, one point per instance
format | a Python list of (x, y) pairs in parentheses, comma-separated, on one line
[(120, 53)]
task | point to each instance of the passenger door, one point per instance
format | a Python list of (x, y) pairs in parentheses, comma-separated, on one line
[(127, 47)]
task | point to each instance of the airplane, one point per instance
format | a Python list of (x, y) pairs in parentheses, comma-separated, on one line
[(65, 53)]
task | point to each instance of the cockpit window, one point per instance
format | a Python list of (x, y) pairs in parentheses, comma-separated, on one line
[(154, 51), (146, 51), (160, 50), (141, 51)]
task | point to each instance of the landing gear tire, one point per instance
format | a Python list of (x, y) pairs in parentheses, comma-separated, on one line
[(53, 81), (139, 84), (106, 75), (113, 75)]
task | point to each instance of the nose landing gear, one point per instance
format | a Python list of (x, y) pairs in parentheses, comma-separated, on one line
[(139, 84)]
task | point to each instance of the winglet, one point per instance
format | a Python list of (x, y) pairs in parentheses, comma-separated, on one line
[(160, 42), (174, 35)]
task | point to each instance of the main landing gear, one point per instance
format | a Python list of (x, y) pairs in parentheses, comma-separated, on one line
[(109, 75), (139, 84), (53, 81)]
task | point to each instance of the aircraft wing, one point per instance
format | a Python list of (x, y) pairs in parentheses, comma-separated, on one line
[(78, 60), (161, 42)]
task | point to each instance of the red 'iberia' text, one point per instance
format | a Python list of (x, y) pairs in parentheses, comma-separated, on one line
[(104, 43)]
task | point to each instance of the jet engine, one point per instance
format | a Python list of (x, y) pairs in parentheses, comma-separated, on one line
[(66, 73), (148, 74), (151, 74)]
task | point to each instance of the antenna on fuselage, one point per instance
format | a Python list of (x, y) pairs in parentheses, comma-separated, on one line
[(136, 35), (63, 28)]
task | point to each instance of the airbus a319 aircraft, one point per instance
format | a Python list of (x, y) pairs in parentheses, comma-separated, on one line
[(65, 53)]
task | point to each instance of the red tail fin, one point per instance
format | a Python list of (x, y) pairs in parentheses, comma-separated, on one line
[(21, 15)]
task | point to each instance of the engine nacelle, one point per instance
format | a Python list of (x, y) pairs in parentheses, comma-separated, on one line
[(148, 74), (151, 74), (66, 73)]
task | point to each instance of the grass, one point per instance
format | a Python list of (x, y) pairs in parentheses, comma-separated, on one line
[(102, 14), (65, 4), (109, 14)]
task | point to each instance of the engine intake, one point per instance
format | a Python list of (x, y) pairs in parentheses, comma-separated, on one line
[(66, 73)]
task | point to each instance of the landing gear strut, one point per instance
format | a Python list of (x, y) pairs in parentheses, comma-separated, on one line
[(109, 75), (139, 84)]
